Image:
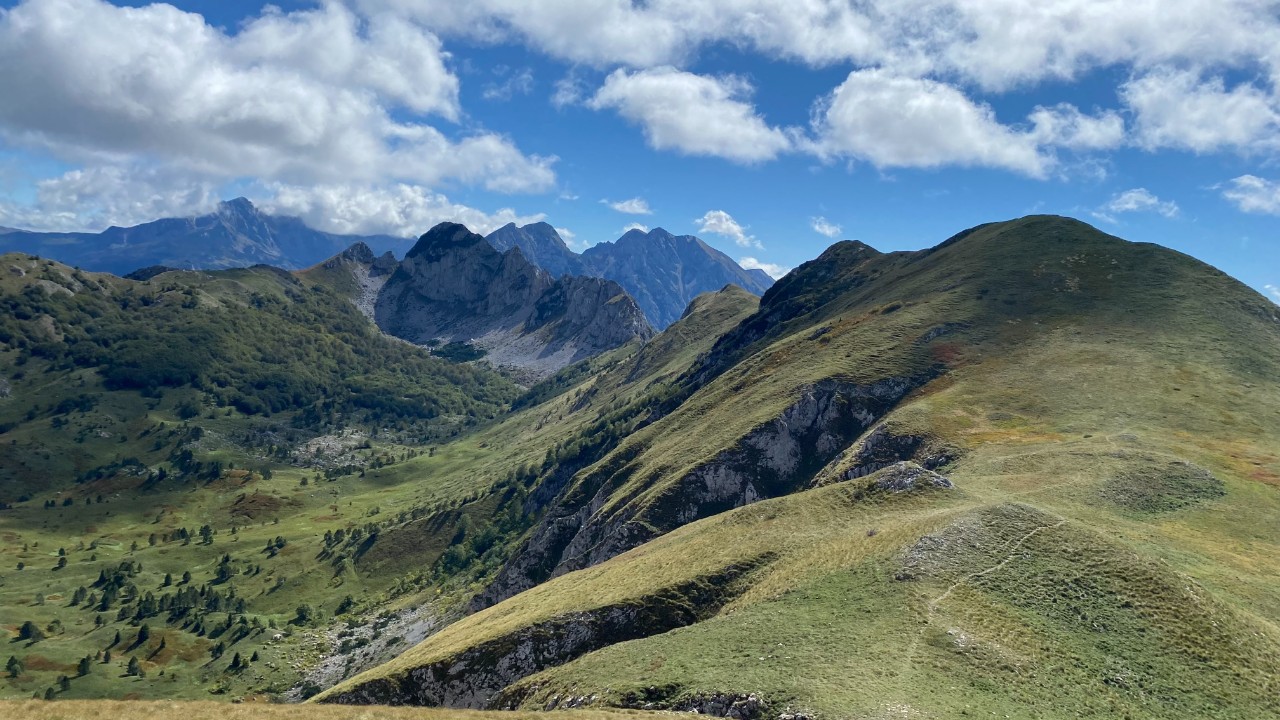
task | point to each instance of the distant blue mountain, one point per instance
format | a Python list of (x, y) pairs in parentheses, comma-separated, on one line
[(663, 272), (236, 234)]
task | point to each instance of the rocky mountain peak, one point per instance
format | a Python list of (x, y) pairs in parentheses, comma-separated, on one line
[(447, 238)]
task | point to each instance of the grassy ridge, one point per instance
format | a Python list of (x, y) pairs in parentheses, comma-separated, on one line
[(1124, 391)]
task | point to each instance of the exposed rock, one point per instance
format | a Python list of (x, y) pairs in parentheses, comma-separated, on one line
[(907, 476), (776, 458), (883, 447), (455, 287), (477, 677)]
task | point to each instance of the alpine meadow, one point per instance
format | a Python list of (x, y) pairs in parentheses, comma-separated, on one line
[(286, 432)]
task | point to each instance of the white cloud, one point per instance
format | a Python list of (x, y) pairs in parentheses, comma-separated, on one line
[(692, 114), (634, 206), (96, 198), (772, 270), (1135, 200), (1253, 194), (635, 226), (569, 90), (571, 239), (895, 121), (995, 44), (1275, 293), (1180, 110), (402, 210), (1065, 126), (720, 222), (821, 226), (514, 83), (318, 96)]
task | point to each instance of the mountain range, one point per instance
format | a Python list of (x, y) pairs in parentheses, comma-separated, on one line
[(235, 234), (1031, 471), (661, 271)]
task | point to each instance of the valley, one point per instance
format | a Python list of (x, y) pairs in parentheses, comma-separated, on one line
[(1032, 471)]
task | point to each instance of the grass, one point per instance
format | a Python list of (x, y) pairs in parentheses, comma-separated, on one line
[(1115, 412), (1124, 389), (419, 500), (158, 710)]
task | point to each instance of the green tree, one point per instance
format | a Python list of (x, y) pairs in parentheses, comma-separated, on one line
[(135, 667)]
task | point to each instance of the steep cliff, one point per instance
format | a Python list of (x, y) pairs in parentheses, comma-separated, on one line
[(454, 287)]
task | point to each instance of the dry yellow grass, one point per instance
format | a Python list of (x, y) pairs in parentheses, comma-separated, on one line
[(207, 710)]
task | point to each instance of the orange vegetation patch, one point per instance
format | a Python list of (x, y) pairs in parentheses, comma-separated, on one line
[(40, 663), (1263, 475), (252, 506)]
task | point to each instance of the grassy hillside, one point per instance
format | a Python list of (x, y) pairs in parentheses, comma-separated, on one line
[(1107, 412), (348, 527), (210, 424), (95, 709)]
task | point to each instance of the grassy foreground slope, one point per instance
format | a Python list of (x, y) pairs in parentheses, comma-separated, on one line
[(383, 484), (191, 710), (1108, 412)]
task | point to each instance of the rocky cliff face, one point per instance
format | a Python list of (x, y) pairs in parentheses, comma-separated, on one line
[(476, 678), (453, 286), (777, 458), (663, 272)]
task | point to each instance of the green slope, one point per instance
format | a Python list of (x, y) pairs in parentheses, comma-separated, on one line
[(425, 486), (1106, 410)]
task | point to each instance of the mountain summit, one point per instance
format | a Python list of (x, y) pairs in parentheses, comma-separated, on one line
[(663, 272), (454, 287)]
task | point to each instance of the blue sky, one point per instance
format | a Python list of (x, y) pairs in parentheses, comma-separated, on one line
[(767, 128)]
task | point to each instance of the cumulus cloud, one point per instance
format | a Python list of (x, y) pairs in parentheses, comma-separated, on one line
[(719, 222), (1180, 110), (1253, 194), (892, 120), (1275, 293), (1135, 200), (692, 114), (995, 44), (96, 198), (772, 270), (401, 209), (1063, 125), (821, 226), (635, 226), (318, 96), (634, 206), (895, 121)]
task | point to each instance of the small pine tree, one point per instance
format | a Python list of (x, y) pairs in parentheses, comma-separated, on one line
[(15, 666), (135, 667), (85, 664)]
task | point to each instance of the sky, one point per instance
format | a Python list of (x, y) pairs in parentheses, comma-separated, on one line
[(768, 128)]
